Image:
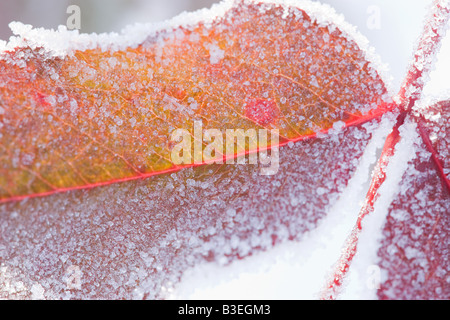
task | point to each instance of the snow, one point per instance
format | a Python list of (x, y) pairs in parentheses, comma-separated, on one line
[(37, 292), (216, 54)]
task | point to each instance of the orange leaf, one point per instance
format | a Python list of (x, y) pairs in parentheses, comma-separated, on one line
[(98, 117)]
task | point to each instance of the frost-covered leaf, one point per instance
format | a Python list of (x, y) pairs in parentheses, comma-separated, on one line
[(135, 239), (98, 116), (434, 128), (414, 251)]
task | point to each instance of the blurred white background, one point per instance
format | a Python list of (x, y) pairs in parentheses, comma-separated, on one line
[(96, 15)]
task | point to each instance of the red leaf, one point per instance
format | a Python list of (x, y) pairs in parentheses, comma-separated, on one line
[(99, 117), (414, 250)]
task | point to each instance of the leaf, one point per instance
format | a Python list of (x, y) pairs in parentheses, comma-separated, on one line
[(414, 249), (132, 240), (103, 116), (433, 125)]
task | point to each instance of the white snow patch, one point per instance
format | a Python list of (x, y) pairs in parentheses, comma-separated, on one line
[(215, 53), (37, 292)]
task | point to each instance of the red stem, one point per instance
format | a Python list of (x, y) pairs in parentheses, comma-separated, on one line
[(409, 93)]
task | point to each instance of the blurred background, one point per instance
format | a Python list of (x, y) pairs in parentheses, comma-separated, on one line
[(392, 27), (96, 15)]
